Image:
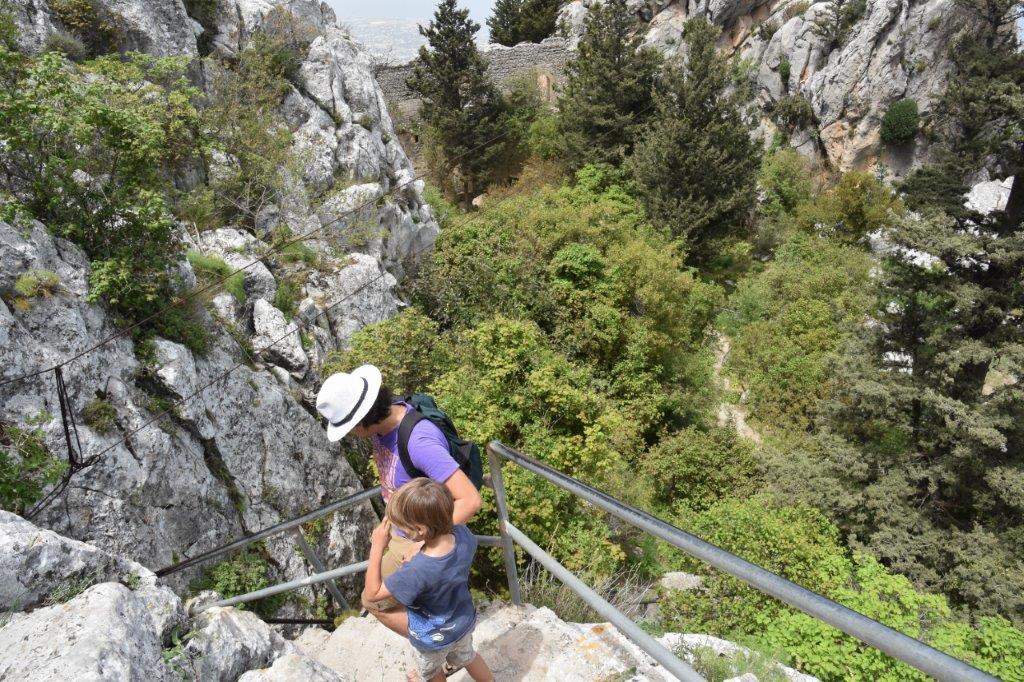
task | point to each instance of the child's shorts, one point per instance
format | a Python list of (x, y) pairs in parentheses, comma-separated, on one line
[(458, 655)]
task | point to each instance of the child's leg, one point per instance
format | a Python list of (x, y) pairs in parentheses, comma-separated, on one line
[(478, 670)]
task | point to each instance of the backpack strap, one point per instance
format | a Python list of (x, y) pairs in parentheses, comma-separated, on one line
[(409, 422)]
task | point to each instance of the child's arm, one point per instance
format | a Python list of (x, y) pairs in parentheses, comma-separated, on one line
[(373, 589)]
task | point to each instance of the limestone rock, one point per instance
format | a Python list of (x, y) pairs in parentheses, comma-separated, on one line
[(895, 50), (986, 197), (354, 296), (240, 453), (102, 634), (276, 339), (228, 642), (293, 668), (238, 249), (38, 565), (158, 27), (519, 643)]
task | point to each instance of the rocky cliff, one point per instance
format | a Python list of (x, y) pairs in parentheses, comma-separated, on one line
[(849, 60), (69, 611), (243, 451)]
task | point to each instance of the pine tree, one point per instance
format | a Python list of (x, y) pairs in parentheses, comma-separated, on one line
[(932, 409), (695, 163), (504, 23), (608, 88), (461, 108), (978, 115), (538, 19)]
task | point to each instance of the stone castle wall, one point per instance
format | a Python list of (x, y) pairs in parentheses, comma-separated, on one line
[(544, 61)]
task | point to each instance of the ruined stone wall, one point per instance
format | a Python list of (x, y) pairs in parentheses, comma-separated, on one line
[(545, 61)]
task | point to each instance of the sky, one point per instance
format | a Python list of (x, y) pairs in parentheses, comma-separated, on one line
[(403, 9)]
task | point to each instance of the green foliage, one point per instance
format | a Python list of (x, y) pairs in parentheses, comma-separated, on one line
[(784, 181), (26, 467), (516, 21), (287, 296), (461, 108), (697, 468), (210, 269), (714, 667), (823, 651), (37, 283), (785, 68), (90, 22), (608, 84), (92, 152), (790, 321), (246, 571), (245, 126), (408, 349), (793, 112), (835, 22), (899, 125), (70, 588), (100, 415), (67, 44), (796, 542), (920, 399), (698, 125), (856, 206)]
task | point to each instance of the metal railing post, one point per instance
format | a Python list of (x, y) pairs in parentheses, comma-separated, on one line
[(318, 566), (507, 548)]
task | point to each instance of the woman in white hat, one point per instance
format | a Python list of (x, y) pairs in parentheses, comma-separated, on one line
[(357, 402)]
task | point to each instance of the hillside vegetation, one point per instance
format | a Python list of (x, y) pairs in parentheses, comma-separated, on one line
[(640, 269), (577, 316)]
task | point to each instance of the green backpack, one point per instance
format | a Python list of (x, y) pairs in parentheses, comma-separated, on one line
[(465, 453)]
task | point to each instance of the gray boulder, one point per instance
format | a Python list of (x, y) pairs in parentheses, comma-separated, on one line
[(102, 634), (293, 668), (278, 340), (228, 642)]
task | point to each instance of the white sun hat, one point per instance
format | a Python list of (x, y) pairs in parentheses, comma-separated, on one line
[(344, 399)]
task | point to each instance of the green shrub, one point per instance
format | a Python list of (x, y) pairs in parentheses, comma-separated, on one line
[(698, 468), (796, 542), (210, 269), (821, 650), (100, 415), (785, 182), (899, 125), (715, 667), (785, 68), (27, 467), (68, 45), (287, 296), (37, 283), (853, 208), (89, 22), (793, 112), (366, 121), (378, 343), (247, 571)]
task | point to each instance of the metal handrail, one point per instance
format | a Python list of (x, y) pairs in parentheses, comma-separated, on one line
[(898, 645), (349, 501), (657, 651)]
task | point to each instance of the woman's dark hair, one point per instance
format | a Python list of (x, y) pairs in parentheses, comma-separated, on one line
[(380, 410)]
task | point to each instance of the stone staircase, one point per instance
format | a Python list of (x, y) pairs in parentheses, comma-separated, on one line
[(524, 644)]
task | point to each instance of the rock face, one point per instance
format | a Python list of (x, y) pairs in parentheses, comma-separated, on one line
[(896, 49), (519, 643), (238, 455), (91, 628), (243, 450)]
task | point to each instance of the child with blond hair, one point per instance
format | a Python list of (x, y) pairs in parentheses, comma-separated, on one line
[(433, 584)]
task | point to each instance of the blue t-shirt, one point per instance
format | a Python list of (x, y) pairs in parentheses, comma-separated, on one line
[(435, 590)]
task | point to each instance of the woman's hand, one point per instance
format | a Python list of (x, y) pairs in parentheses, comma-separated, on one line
[(381, 535)]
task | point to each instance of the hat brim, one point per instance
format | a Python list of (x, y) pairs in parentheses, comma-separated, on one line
[(373, 383)]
